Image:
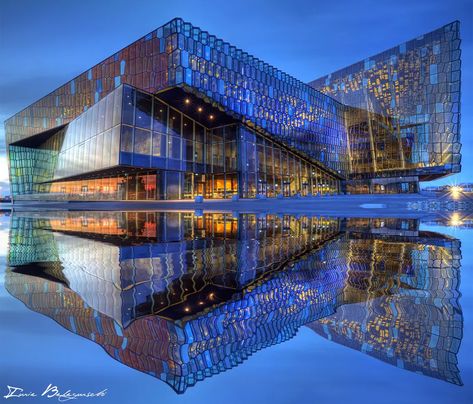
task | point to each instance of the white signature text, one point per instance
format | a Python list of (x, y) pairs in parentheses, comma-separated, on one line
[(52, 391)]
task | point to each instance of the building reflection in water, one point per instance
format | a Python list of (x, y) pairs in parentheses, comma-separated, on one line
[(183, 296)]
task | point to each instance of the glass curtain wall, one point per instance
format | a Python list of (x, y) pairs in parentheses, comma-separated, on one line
[(192, 160), (177, 157), (269, 170)]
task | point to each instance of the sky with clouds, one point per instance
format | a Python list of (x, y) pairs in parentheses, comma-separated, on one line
[(43, 44)]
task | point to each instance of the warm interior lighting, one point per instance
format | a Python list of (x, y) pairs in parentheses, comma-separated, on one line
[(211, 117), (187, 101), (200, 109)]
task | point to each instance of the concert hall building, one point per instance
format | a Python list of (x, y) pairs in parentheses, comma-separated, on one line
[(181, 113)]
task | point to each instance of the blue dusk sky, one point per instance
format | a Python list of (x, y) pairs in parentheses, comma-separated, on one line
[(43, 44)]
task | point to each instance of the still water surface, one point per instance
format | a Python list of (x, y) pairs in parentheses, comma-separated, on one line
[(193, 308)]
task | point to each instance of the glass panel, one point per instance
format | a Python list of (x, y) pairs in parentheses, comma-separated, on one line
[(143, 110), (95, 120), (91, 156), (231, 185), (188, 152), (160, 113), (199, 153), (117, 106), (141, 187), (159, 144), (121, 188), (174, 147), (269, 158), (199, 133), (150, 186), (261, 160), (98, 151), (230, 133), (172, 185), (88, 122), (230, 156), (219, 186), (109, 111), (251, 157), (126, 139), (115, 145), (128, 105), (187, 128), (187, 192), (142, 141), (131, 187), (87, 154), (102, 106), (107, 148), (174, 122)]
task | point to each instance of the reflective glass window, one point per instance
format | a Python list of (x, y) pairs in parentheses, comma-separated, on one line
[(160, 113), (92, 147), (230, 133), (115, 145), (199, 152), (142, 141), (172, 185), (143, 110), (128, 105), (95, 118), (199, 133), (174, 122), (126, 139), (174, 144), (107, 147), (187, 128), (230, 156), (188, 152), (117, 107), (98, 151), (159, 144), (109, 111), (88, 123), (102, 106)]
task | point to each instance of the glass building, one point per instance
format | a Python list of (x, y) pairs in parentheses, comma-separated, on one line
[(180, 113)]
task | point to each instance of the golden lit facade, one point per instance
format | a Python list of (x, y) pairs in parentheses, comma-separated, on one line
[(405, 303), (403, 112)]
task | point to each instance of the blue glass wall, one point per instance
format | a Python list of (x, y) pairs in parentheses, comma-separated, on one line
[(257, 93)]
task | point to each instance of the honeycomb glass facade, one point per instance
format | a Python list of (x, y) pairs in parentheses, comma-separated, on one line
[(183, 296), (180, 113), (403, 110)]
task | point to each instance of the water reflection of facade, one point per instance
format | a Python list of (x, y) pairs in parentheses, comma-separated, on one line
[(222, 287)]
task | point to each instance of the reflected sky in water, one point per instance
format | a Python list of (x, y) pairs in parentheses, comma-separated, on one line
[(235, 306)]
